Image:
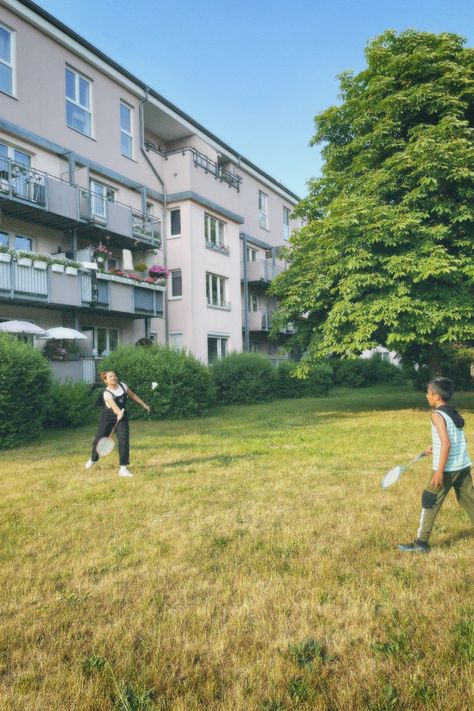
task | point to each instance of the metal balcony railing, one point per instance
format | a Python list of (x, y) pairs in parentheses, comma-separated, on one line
[(145, 226), (200, 160), (20, 181), (92, 206)]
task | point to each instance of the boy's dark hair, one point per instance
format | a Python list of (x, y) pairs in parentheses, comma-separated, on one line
[(444, 387)]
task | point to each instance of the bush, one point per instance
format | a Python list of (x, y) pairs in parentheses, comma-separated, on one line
[(362, 372), (455, 363), (242, 378), (318, 382), (185, 385), (70, 405), (25, 380)]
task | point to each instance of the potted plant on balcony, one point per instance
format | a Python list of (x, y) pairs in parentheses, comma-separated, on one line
[(140, 267), (54, 350), (159, 274), (25, 259), (58, 265), (100, 254), (41, 261), (5, 253), (72, 268)]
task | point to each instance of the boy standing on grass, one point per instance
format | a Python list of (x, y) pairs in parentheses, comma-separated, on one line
[(451, 464)]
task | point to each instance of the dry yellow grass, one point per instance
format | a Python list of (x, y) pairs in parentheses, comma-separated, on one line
[(250, 565)]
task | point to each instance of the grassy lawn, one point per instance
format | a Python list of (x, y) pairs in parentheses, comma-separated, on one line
[(250, 565)]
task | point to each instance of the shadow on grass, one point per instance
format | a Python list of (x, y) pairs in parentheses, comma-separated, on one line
[(219, 460), (451, 540)]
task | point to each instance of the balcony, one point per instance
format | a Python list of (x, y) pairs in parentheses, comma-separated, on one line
[(200, 160), (107, 292), (35, 196), (259, 320), (261, 271), (30, 284)]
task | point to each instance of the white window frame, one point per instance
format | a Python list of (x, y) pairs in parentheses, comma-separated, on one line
[(11, 65), (220, 340), (179, 336), (252, 302), (75, 102), (124, 132), (286, 223), (104, 195), (173, 236), (211, 222), (172, 296), (252, 254), (263, 210), (107, 330), (221, 291)]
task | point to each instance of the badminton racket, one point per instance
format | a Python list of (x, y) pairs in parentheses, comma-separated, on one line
[(106, 444), (394, 474)]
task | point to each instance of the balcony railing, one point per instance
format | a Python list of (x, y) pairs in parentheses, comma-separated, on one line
[(261, 270), (20, 181), (200, 160), (43, 198), (145, 226), (221, 248)]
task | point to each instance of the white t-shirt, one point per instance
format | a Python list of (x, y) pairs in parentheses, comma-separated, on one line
[(116, 391)]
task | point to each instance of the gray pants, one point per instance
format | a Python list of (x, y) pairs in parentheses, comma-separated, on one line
[(433, 497)]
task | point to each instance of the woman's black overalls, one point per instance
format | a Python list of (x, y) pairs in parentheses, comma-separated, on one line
[(108, 418)]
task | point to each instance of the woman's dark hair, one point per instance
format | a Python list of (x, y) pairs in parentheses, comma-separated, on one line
[(444, 387)]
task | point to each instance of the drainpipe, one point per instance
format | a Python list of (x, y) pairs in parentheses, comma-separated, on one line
[(243, 236), (164, 222)]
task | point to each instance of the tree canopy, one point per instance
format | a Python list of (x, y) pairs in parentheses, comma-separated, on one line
[(386, 253)]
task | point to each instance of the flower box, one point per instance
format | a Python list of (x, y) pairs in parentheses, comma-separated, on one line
[(71, 270), (25, 261), (40, 264), (5, 257), (59, 268)]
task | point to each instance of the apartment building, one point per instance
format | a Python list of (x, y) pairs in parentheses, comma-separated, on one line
[(101, 181)]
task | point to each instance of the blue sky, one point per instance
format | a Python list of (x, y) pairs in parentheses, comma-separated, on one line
[(254, 72)]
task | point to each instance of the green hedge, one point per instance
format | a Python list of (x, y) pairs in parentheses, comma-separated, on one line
[(70, 405), (25, 381), (362, 372), (184, 389), (243, 378), (318, 382)]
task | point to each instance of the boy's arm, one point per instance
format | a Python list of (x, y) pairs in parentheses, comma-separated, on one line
[(441, 429)]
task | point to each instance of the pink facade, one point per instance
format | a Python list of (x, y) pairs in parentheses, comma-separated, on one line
[(89, 156)]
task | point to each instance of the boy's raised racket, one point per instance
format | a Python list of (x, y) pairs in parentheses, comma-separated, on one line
[(106, 444), (394, 474)]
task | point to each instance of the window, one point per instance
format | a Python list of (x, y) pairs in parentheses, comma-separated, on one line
[(4, 240), (175, 222), (107, 340), (251, 254), (214, 232), (23, 243), (100, 196), (216, 348), (262, 210), (7, 53), (216, 290), (176, 284), (176, 340), (286, 223), (78, 102), (252, 303), (126, 137)]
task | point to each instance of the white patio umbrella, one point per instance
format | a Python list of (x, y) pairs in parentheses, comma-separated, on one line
[(22, 328), (60, 333)]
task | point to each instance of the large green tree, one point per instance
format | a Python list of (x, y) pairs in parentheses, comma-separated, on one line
[(386, 256)]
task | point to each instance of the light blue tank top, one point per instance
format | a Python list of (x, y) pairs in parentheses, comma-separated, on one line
[(458, 455)]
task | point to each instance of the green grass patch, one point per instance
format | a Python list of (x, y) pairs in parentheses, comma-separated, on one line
[(250, 564)]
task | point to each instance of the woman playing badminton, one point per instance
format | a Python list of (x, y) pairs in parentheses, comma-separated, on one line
[(114, 418)]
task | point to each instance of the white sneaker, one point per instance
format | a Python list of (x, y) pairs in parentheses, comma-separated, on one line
[(123, 471), (89, 464)]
